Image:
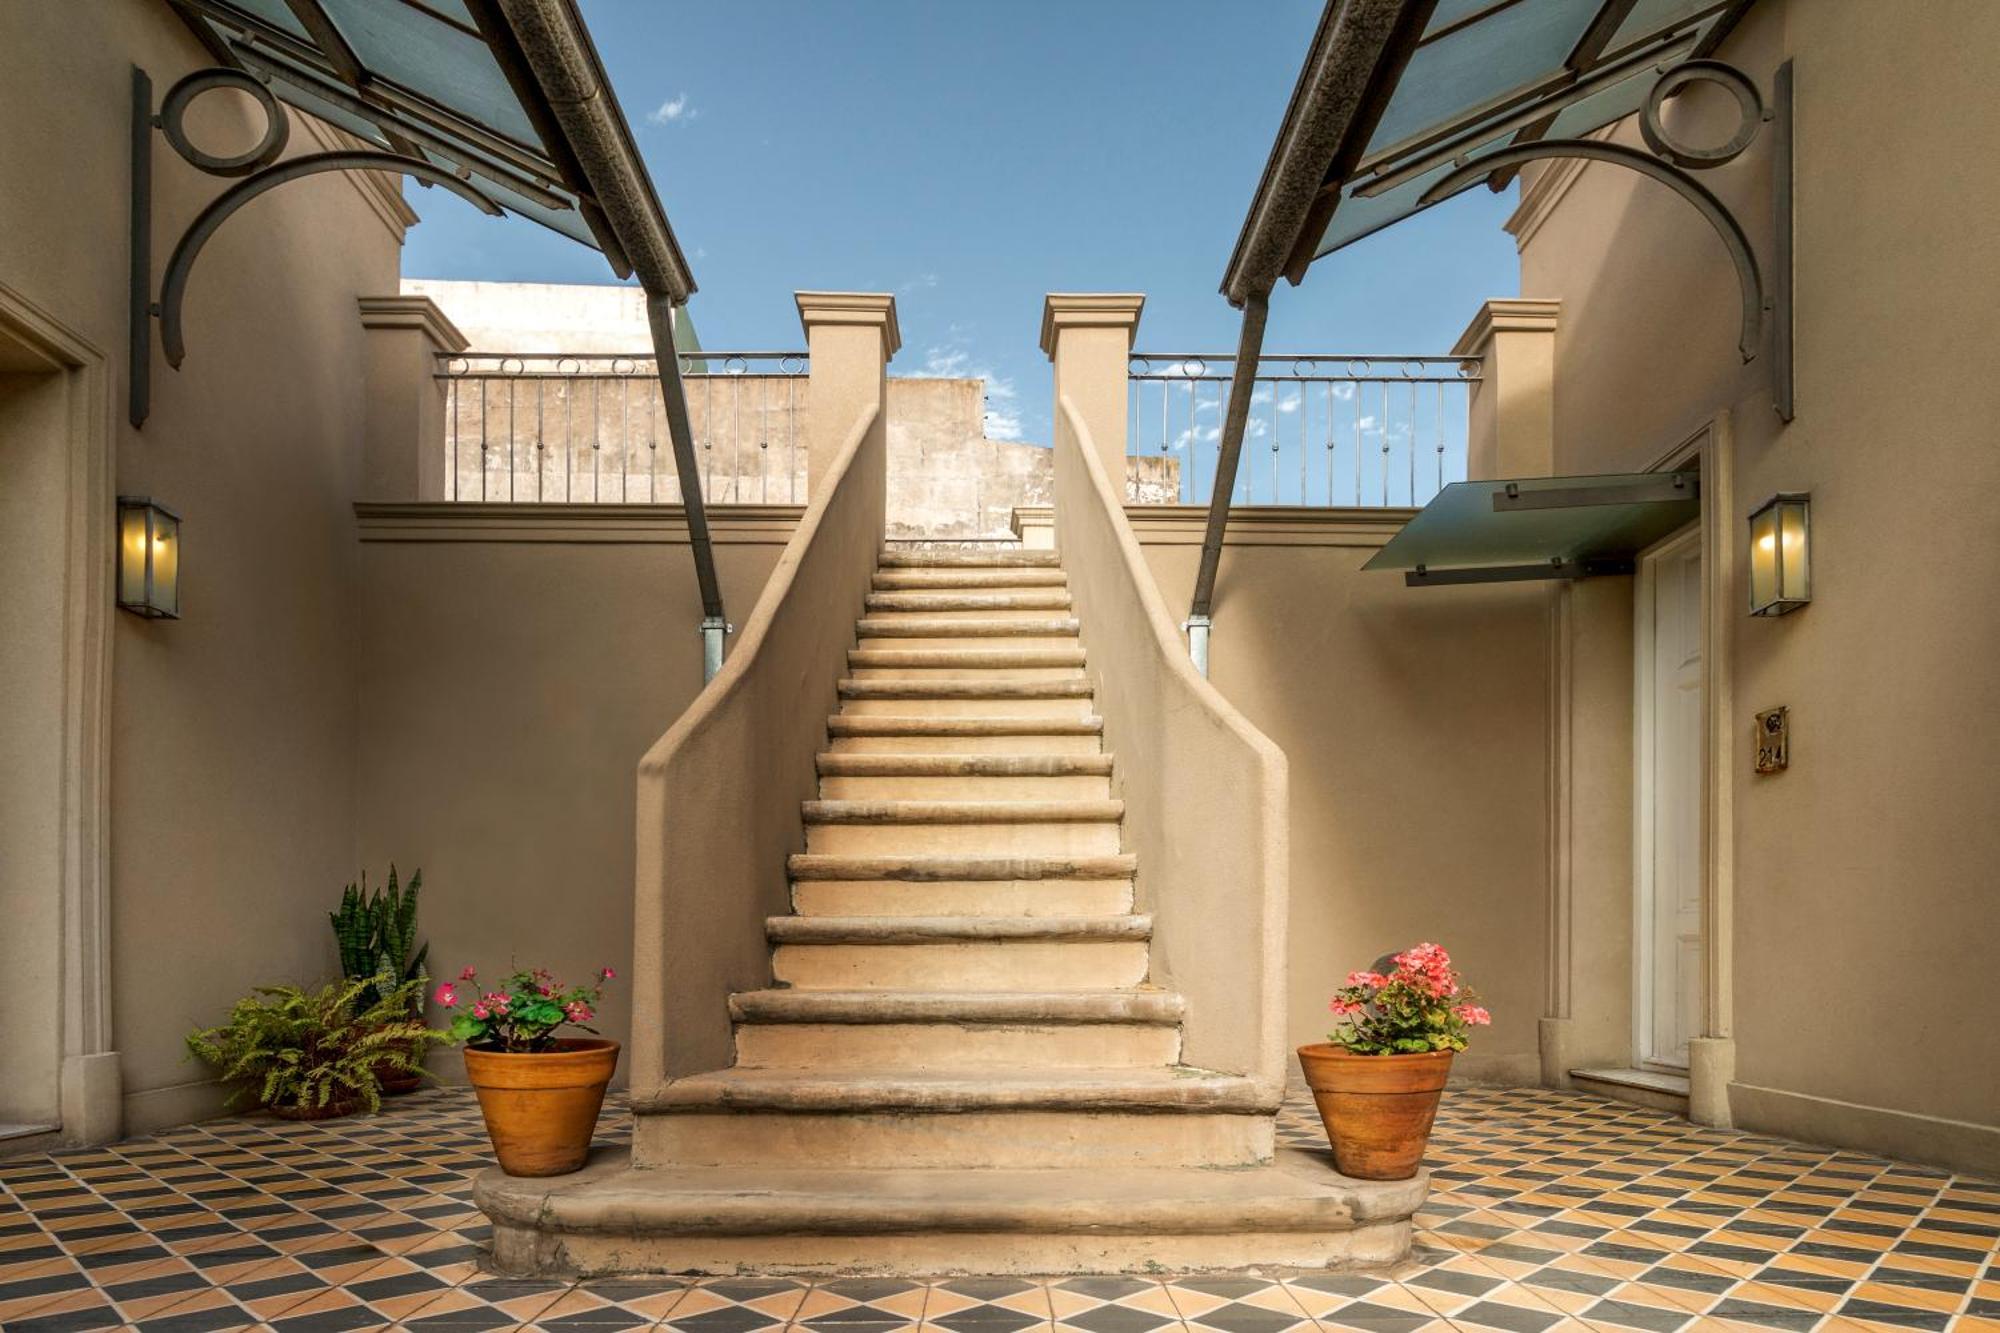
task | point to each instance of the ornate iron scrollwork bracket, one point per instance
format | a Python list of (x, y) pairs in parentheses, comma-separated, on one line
[(1670, 163), (259, 171)]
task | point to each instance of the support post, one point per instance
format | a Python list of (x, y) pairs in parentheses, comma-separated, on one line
[(404, 451), (850, 338), (1235, 420), (1511, 430)]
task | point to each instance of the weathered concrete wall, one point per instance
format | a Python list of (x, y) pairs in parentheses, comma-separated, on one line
[(1862, 925), (605, 439)]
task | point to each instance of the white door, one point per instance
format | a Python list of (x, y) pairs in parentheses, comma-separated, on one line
[(1667, 920)]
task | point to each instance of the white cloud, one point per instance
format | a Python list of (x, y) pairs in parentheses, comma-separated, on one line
[(676, 110), (922, 280)]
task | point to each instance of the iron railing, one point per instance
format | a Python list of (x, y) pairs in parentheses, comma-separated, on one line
[(1322, 431), (570, 428)]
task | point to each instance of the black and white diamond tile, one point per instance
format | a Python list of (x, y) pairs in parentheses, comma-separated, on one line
[(1548, 1211)]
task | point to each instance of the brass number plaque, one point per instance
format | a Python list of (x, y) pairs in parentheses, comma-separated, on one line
[(1774, 740)]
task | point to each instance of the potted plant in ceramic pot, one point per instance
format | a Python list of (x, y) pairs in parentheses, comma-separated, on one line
[(377, 937), (540, 1093), (313, 1055), (1378, 1076)]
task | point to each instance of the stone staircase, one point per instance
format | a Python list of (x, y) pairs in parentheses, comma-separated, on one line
[(963, 1062), (963, 982)]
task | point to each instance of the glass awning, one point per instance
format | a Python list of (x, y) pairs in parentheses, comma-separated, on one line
[(1541, 527), (420, 78), (1493, 74)]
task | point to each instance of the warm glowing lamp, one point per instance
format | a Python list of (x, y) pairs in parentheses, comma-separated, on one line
[(1781, 554), (149, 558)]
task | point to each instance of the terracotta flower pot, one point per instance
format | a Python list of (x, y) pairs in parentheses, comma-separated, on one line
[(540, 1109), (1377, 1109)]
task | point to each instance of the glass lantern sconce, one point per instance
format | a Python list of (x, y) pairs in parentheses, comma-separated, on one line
[(1781, 554), (149, 558)]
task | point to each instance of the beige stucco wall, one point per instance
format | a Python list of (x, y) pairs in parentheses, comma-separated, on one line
[(1864, 917), (231, 773), (518, 664), (1414, 723)]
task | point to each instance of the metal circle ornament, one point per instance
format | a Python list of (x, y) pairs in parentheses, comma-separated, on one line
[(1749, 108), (173, 112)]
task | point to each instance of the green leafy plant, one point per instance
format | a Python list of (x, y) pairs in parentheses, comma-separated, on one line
[(522, 1015), (377, 936), (1420, 1005), (289, 1048)]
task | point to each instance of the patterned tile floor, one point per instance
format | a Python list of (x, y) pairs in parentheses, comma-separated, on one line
[(1548, 1211)]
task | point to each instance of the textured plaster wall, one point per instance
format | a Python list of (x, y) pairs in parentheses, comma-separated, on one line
[(1867, 867), (231, 773), (1414, 722), (510, 687)]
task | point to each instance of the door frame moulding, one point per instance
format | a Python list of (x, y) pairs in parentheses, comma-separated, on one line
[(1711, 1053), (89, 1078), (1645, 733)]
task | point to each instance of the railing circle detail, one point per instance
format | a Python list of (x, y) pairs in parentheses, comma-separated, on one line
[(173, 113)]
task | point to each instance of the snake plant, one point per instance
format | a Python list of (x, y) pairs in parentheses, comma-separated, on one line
[(377, 936)]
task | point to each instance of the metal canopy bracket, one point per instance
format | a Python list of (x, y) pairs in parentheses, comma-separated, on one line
[(1672, 488), (1424, 576), (260, 172)]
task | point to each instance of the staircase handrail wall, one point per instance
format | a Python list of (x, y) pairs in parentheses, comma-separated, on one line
[(1205, 792), (719, 794)]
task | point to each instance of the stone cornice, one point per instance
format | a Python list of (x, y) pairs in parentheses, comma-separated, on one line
[(1099, 310), (412, 312), (1506, 315), (611, 524), (860, 308)]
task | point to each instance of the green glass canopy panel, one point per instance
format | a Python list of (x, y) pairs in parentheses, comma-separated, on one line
[(421, 77), (1540, 527), (1493, 74)]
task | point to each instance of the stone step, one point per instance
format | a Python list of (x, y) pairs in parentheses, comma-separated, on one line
[(962, 659), (963, 828), (907, 734), (963, 777), (612, 1217), (1043, 600), (917, 580), (999, 559), (1066, 961), (962, 897), (905, 625), (966, 697), (889, 1118), (890, 930), (979, 663), (941, 869), (798, 1029)]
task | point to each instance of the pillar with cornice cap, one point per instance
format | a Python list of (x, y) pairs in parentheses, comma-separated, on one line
[(1512, 427), (1088, 339), (850, 337), (404, 455)]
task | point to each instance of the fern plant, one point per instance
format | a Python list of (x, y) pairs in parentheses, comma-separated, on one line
[(296, 1050), (377, 936)]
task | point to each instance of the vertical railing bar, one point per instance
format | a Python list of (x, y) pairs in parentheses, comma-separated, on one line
[(483, 443), (451, 411), (791, 440), (763, 440), (1357, 443), (540, 454), (736, 432), (596, 440)]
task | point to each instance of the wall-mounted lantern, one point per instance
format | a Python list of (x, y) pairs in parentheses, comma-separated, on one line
[(149, 558), (1781, 554)]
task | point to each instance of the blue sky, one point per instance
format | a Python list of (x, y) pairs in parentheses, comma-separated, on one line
[(969, 158)]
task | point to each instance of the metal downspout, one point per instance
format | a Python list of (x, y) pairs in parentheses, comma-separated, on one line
[(1242, 383), (553, 44)]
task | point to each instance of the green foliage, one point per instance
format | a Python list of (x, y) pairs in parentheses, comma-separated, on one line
[(377, 936), (1420, 1005), (523, 1014), (288, 1047)]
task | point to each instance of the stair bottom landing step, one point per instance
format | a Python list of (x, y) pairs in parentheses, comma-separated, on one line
[(612, 1218)]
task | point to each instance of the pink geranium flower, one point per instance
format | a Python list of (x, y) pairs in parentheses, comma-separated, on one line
[(446, 996)]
